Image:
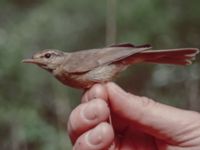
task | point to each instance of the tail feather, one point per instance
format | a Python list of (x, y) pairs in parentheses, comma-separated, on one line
[(171, 56), (166, 60), (182, 56)]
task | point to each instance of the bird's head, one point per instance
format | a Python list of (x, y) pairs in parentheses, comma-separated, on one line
[(47, 59)]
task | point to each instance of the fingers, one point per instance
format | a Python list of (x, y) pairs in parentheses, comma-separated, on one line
[(86, 116), (98, 138), (97, 91), (159, 120), (86, 126)]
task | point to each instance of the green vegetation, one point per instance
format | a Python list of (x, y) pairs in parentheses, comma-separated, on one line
[(34, 107)]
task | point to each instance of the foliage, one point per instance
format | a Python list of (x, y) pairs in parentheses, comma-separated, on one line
[(34, 106)]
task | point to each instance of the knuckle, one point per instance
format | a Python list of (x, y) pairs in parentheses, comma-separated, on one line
[(100, 104), (147, 102), (103, 137), (97, 91), (99, 137), (100, 109), (71, 120), (74, 113)]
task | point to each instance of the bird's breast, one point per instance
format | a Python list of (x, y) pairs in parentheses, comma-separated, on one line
[(72, 80), (85, 80)]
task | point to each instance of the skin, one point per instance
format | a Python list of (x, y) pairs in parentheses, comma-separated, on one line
[(136, 123)]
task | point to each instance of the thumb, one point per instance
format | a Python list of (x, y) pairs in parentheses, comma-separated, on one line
[(162, 121)]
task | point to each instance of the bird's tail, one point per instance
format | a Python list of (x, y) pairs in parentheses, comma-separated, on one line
[(183, 56)]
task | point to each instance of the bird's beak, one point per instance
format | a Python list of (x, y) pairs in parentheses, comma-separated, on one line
[(32, 61)]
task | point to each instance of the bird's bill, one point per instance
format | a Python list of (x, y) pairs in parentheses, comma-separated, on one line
[(31, 61)]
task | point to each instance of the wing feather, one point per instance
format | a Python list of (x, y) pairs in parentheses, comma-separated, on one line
[(87, 60)]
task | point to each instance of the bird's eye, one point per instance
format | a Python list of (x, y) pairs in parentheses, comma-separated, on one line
[(47, 55)]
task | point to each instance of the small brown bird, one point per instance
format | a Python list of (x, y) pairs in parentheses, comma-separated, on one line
[(84, 68)]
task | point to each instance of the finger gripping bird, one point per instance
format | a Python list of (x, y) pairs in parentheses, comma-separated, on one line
[(82, 69)]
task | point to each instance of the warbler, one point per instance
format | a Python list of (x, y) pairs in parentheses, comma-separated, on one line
[(82, 69)]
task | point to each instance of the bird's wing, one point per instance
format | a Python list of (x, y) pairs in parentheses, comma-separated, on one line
[(87, 60)]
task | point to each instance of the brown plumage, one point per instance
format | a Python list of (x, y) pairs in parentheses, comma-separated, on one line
[(84, 68)]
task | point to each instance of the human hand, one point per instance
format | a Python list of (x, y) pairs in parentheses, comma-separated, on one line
[(138, 123)]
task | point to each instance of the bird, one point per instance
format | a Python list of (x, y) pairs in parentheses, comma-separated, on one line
[(82, 69)]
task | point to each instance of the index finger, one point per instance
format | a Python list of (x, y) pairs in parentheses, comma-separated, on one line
[(96, 91)]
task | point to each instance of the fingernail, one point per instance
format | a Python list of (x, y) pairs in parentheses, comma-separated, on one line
[(95, 136), (89, 111)]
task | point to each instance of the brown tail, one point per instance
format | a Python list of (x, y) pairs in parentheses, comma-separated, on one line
[(182, 56)]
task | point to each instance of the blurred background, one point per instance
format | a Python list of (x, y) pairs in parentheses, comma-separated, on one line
[(34, 107)]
